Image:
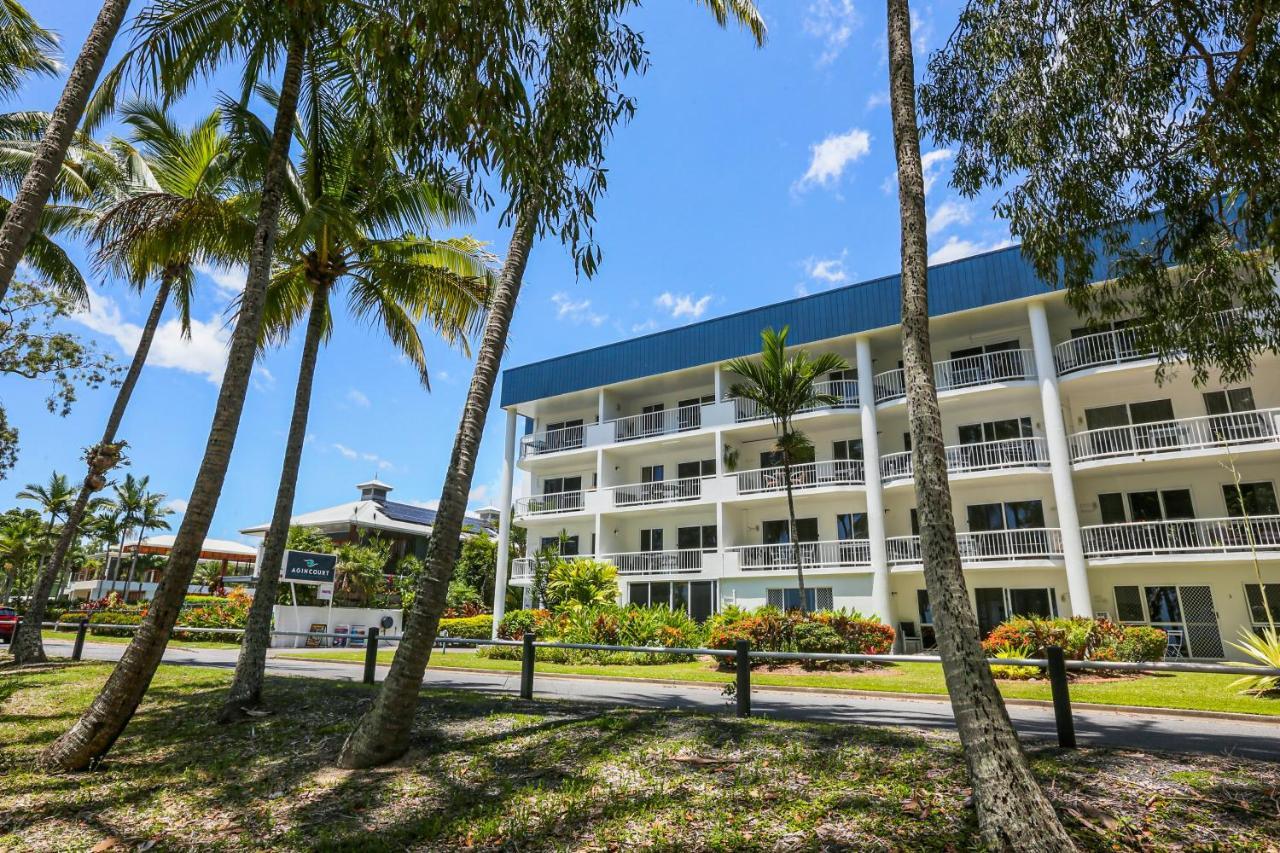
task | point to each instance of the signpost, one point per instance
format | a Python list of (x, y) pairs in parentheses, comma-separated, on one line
[(306, 567)]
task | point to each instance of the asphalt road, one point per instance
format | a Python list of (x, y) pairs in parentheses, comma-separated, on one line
[(1259, 740)]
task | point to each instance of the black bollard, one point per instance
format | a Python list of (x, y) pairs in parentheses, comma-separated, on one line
[(743, 662), (1061, 697)]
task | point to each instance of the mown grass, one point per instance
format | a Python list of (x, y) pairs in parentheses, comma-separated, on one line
[(70, 636), (1180, 690), (490, 772)]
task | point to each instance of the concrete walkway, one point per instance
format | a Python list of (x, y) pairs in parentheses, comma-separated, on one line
[(1259, 740)]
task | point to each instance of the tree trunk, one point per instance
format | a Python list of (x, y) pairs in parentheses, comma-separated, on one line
[(133, 564), (97, 729), (119, 564), (793, 534), (1013, 812), (383, 733), (251, 665), (27, 646), (24, 214)]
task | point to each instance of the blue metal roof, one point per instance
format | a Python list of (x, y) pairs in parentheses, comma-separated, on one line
[(973, 282)]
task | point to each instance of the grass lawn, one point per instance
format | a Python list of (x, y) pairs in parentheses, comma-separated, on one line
[(70, 636), (1183, 690), (491, 772)]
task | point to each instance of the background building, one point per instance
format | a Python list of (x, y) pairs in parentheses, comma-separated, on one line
[(1080, 485)]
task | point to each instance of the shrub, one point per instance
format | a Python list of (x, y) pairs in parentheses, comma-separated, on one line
[(114, 617), (607, 625), (769, 629), (1080, 637), (1019, 673), (573, 584), (462, 594), (469, 627), (816, 637), (1141, 643)]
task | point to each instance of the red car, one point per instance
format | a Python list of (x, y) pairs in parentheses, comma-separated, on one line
[(8, 623)]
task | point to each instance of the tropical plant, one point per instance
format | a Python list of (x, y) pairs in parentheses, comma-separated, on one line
[(353, 219), (579, 583), (1263, 647), (1012, 810), (19, 544), (552, 156), (171, 203), (151, 515), (362, 569), (26, 48), (784, 386), (23, 216), (53, 498)]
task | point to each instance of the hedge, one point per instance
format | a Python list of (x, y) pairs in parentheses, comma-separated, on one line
[(826, 632), (469, 627), (606, 625), (1080, 638)]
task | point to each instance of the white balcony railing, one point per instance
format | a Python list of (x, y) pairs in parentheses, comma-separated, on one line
[(981, 456), (1199, 433), (1182, 536), (989, 545), (804, 475), (1012, 365), (649, 424), (684, 561), (844, 390), (522, 569), (551, 503), (661, 492), (814, 555), (1114, 346), (551, 441)]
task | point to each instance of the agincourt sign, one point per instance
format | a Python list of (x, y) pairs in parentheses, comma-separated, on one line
[(306, 567)]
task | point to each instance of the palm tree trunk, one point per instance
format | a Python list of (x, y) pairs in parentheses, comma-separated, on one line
[(27, 646), (133, 563), (383, 733), (24, 214), (96, 731), (1013, 812), (119, 563), (251, 665), (793, 535)]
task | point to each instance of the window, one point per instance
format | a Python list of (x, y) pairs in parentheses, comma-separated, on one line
[(922, 602), (1153, 505), (652, 473), (1012, 515), (849, 448), (778, 532), (773, 458), (651, 539), (699, 537), (1229, 401), (915, 522), (1257, 612), (560, 485), (563, 434), (995, 430), (996, 604), (986, 363), (692, 470), (690, 411), (565, 546), (1186, 613), (697, 598), (816, 598), (852, 525), (1253, 499)]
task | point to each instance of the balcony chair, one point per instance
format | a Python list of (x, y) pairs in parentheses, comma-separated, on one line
[(1174, 644), (912, 643)]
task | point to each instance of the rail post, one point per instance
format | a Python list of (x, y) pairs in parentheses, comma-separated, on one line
[(742, 659), (1061, 697), (78, 649), (526, 666), (371, 656)]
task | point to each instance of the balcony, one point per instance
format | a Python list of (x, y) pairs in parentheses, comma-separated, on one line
[(844, 390), (522, 570), (1183, 536), (1185, 434), (1007, 454), (804, 475), (814, 555), (550, 504), (686, 561), (660, 492), (552, 441), (1013, 365), (1114, 346), (650, 424), (1037, 543)]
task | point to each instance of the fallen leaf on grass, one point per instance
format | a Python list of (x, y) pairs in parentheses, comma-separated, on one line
[(109, 843)]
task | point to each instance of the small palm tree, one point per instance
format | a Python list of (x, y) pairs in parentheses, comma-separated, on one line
[(19, 541), (54, 499), (575, 584), (785, 385), (151, 516), (130, 501)]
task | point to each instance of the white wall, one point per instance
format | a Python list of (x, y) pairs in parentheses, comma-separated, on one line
[(301, 618)]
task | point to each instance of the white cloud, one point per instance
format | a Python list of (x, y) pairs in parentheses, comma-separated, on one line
[(921, 30), (683, 305), (877, 99), (357, 397), (828, 270), (228, 280), (955, 248), (363, 456), (950, 212), (205, 353), (831, 155), (647, 326), (261, 378), (832, 22), (478, 494), (178, 505), (930, 164), (575, 312), (346, 451)]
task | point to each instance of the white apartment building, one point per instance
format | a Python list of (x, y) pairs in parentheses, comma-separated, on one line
[(1080, 485)]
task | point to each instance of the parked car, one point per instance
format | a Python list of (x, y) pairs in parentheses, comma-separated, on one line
[(8, 623)]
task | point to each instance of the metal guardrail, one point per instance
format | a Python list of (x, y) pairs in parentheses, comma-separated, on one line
[(1054, 662)]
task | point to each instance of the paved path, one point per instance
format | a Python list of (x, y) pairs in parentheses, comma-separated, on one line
[(1259, 740)]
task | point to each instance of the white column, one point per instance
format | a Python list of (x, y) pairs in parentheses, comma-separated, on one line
[(504, 523), (1064, 492), (718, 383), (880, 597)]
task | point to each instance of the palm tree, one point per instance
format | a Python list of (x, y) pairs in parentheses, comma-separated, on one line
[(23, 217), (129, 503), (1013, 812), (784, 386), (354, 218), (19, 542), (25, 47), (170, 203), (151, 516), (179, 41), (573, 114), (54, 499)]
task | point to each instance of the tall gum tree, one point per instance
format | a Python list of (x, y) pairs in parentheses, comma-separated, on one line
[(1013, 812)]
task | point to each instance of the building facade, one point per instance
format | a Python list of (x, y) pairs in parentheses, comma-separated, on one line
[(1080, 484)]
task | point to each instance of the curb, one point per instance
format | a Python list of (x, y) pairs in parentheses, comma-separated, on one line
[(1141, 710)]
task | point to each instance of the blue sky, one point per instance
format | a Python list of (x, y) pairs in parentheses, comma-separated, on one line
[(747, 177)]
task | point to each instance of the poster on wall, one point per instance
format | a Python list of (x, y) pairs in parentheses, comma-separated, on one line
[(340, 642), (317, 642), (324, 592), (358, 635)]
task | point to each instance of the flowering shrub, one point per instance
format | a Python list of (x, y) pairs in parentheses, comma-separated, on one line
[(469, 627), (466, 611), (769, 629), (603, 625), (516, 623), (1080, 638), (230, 611)]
